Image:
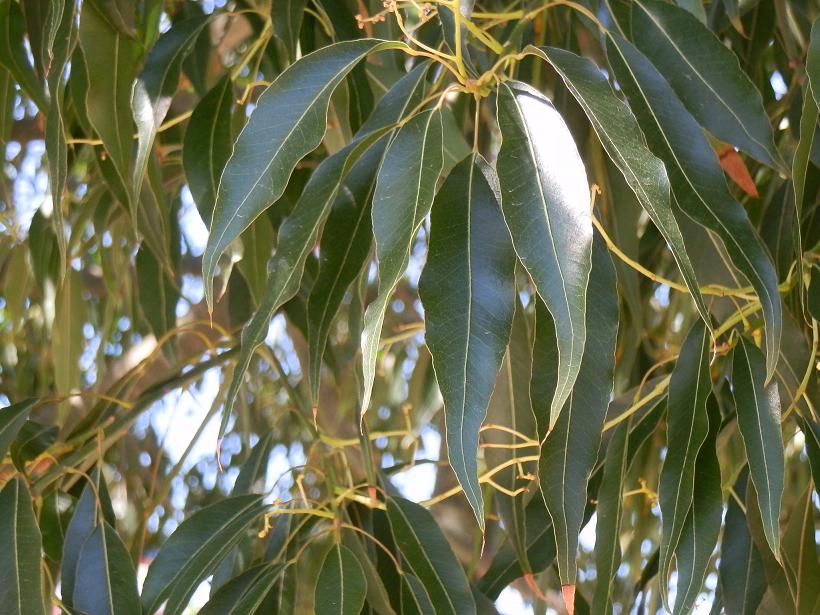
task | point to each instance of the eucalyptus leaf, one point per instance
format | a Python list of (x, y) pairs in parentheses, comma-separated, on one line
[(20, 546)]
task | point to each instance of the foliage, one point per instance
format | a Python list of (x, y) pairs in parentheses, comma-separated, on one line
[(547, 266)]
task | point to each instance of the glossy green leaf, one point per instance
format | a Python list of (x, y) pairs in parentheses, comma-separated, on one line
[(345, 246), (608, 525), (511, 408), (742, 577), (706, 76), (620, 135), (404, 194), (758, 417), (700, 532), (11, 420), (569, 453), (545, 199), (698, 182), (208, 145), (156, 86), (688, 428), (20, 547), (192, 552), (430, 557), (13, 53), (111, 64), (297, 234), (341, 586), (468, 292), (289, 121), (106, 575)]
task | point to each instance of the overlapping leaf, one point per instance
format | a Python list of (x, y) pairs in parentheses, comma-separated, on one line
[(341, 587), (570, 451), (13, 53), (20, 547), (697, 179), (11, 420), (289, 121), (403, 197), (106, 575), (545, 200), (468, 292)]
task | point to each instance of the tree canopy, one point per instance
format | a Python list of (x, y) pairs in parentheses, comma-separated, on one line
[(443, 307)]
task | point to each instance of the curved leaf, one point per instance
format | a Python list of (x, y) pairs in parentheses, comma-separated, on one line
[(545, 200), (758, 417), (13, 53), (688, 427), (429, 556), (341, 587), (620, 135), (208, 144), (706, 76), (289, 121), (468, 292), (20, 547), (107, 576), (194, 549), (698, 182), (297, 234), (570, 451), (11, 420), (403, 197)]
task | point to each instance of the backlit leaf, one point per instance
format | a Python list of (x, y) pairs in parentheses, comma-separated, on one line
[(545, 200), (467, 288)]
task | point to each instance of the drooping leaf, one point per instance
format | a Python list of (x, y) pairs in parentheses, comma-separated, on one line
[(404, 194), (813, 61), (156, 86), (620, 135), (68, 333), (20, 547), (414, 599), (706, 76), (208, 144), (11, 420), (758, 417), (227, 599), (111, 64), (158, 294), (569, 453), (702, 527), (811, 432), (813, 294), (698, 182), (257, 245), (742, 578), (13, 53), (544, 375), (468, 292), (297, 234), (255, 468), (341, 586), (688, 428), (345, 245), (608, 525), (511, 412), (430, 557), (106, 575), (801, 562), (286, 16), (194, 549), (289, 121), (545, 200)]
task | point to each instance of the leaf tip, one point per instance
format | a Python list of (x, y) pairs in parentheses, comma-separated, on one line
[(568, 592)]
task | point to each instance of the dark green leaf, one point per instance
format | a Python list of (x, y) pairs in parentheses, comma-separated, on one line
[(32, 441), (468, 291), (811, 432), (106, 575), (193, 551), (404, 194), (414, 599), (742, 578), (688, 428), (13, 53), (758, 417), (20, 547), (620, 135), (208, 144), (11, 420), (800, 558), (286, 16), (813, 294), (157, 293), (706, 76), (297, 234), (700, 532), (288, 122), (341, 586), (156, 86), (545, 200), (247, 586), (569, 453), (429, 556), (55, 515), (698, 182)]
